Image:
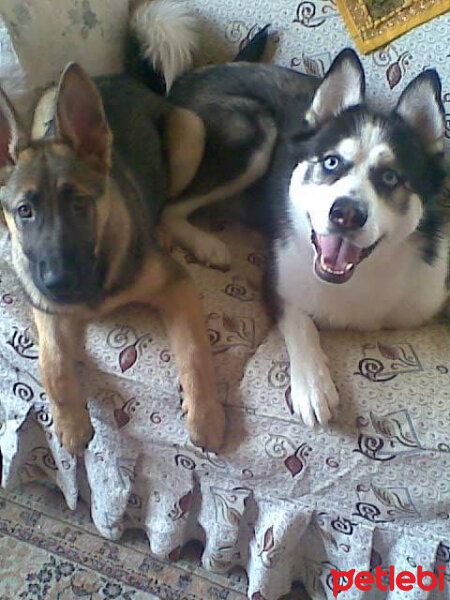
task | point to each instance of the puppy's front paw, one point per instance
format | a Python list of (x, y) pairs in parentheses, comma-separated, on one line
[(314, 396), (206, 424), (211, 251), (73, 428)]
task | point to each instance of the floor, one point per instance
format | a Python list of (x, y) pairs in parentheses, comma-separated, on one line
[(48, 552)]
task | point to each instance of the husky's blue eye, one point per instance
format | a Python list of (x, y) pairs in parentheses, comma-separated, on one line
[(331, 163), (390, 178)]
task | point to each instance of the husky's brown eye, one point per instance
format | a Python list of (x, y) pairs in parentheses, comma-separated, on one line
[(25, 211), (390, 178)]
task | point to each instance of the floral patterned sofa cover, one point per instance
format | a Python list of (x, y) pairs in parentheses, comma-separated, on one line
[(282, 501)]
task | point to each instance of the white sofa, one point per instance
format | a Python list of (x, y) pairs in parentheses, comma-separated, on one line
[(281, 500)]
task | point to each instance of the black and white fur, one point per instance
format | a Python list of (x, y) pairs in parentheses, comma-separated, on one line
[(362, 244), (358, 240), (167, 33)]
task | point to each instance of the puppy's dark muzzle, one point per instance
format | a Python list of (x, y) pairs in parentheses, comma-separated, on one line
[(58, 279), (64, 281), (347, 214)]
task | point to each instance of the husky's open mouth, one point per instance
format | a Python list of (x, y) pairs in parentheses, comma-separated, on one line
[(337, 257)]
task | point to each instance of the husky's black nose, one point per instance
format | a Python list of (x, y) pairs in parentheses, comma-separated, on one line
[(348, 214), (58, 279)]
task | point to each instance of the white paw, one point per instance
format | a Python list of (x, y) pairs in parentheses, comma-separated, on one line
[(211, 251), (314, 396)]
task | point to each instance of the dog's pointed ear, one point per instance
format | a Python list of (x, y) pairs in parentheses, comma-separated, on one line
[(343, 86), (12, 137), (420, 105), (80, 118)]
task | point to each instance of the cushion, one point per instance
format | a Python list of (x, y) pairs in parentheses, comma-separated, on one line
[(37, 40)]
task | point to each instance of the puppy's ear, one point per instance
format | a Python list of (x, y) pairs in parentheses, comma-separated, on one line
[(12, 137), (342, 86), (81, 119), (420, 105)]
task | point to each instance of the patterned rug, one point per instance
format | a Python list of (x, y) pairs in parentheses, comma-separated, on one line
[(48, 552), (374, 23)]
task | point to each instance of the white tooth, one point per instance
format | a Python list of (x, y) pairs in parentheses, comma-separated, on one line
[(331, 271), (348, 267), (335, 272)]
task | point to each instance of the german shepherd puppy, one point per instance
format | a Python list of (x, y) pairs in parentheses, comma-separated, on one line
[(83, 194), (81, 205)]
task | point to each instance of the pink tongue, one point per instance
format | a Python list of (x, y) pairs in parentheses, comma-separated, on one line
[(338, 252)]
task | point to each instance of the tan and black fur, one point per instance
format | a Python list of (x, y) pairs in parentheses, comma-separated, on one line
[(222, 136), (81, 204)]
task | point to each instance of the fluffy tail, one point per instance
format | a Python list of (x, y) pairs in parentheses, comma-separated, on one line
[(167, 36)]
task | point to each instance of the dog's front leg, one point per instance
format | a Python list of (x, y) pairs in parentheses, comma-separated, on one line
[(58, 337), (313, 392), (181, 310)]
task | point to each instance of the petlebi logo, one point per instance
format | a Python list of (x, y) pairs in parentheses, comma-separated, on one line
[(388, 579)]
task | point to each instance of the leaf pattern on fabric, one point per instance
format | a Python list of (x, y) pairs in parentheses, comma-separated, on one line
[(397, 499), (389, 351), (181, 507), (269, 541), (224, 512), (127, 358), (393, 360), (391, 427), (288, 400), (229, 331), (394, 75), (294, 465)]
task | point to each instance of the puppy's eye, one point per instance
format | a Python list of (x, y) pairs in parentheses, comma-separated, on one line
[(79, 203), (331, 163), (390, 178), (25, 211)]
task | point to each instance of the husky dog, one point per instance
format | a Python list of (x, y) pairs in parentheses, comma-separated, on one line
[(81, 204), (364, 245), (359, 239)]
